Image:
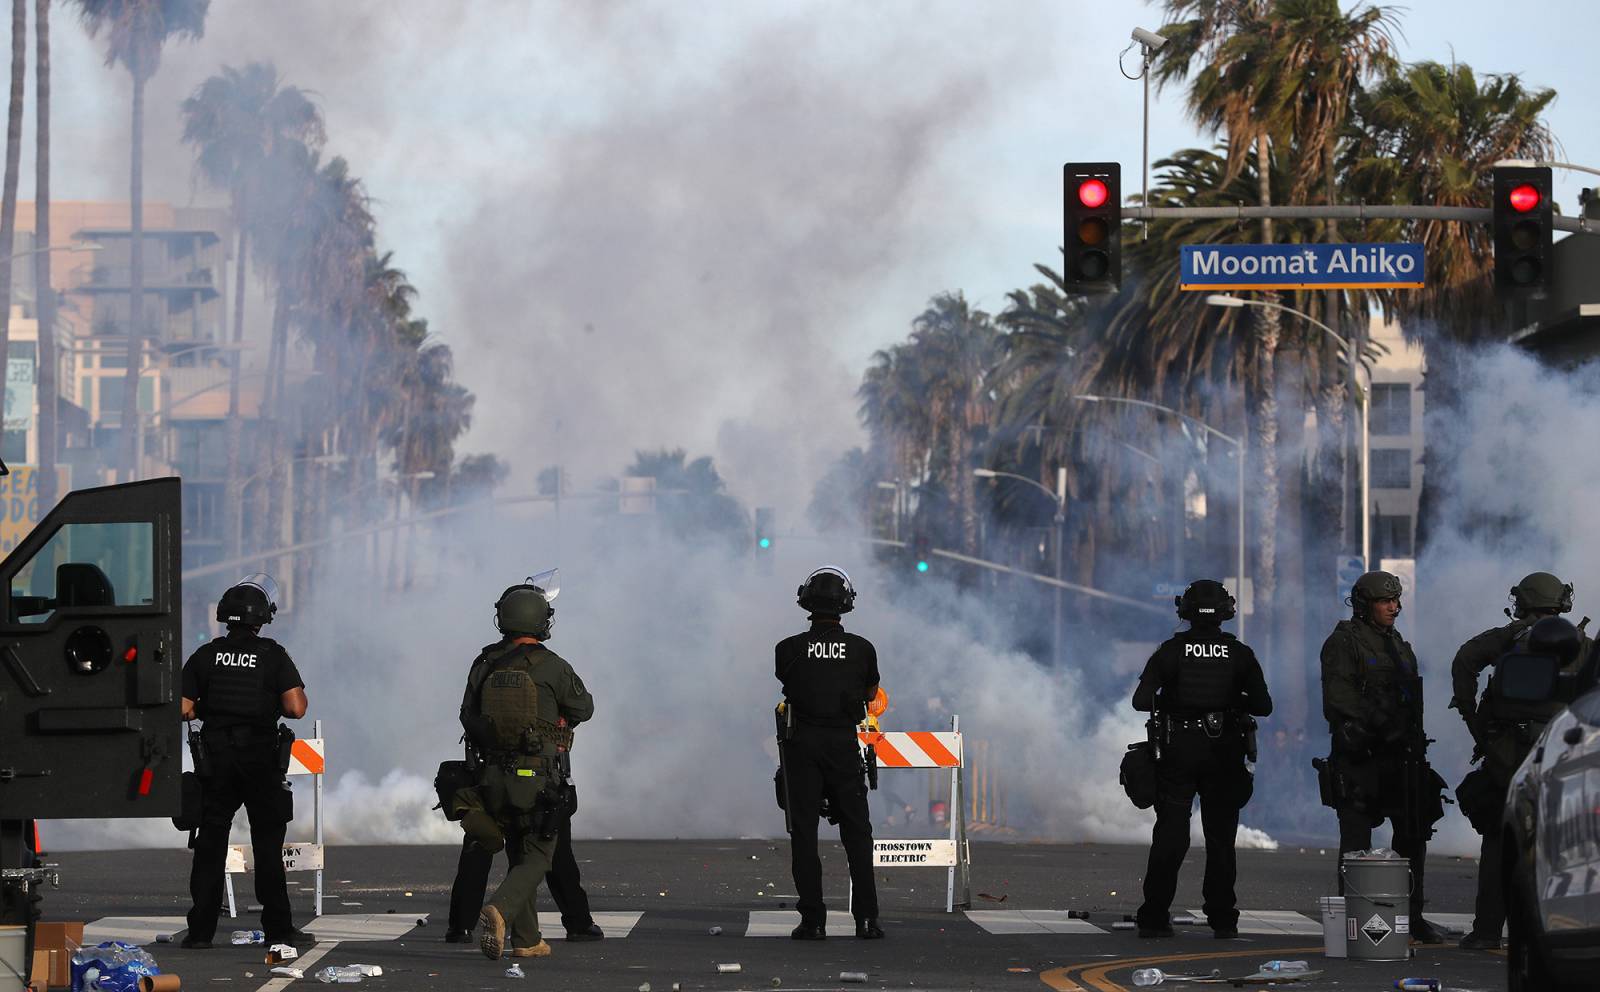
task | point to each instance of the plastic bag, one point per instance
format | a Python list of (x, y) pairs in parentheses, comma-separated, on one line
[(111, 967)]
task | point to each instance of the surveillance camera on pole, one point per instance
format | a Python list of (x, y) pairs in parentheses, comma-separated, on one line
[(1151, 41)]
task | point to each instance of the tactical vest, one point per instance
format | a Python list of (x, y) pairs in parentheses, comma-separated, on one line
[(1534, 713), (521, 719), (238, 696), (1205, 677), (1389, 681)]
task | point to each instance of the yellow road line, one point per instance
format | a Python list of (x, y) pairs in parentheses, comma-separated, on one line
[(1093, 974)]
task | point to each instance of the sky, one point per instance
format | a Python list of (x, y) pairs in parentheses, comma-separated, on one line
[(652, 224)]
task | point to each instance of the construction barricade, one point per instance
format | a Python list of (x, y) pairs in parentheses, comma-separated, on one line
[(306, 757), (929, 750)]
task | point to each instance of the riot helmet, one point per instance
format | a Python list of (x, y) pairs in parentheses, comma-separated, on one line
[(1206, 601), (250, 602), (828, 590), (1557, 638), (1370, 588), (1540, 592), (525, 609)]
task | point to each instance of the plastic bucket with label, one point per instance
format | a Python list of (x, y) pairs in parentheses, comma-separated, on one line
[(1377, 900)]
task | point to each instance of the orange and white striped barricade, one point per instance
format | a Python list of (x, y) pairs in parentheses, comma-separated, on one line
[(931, 750), (306, 757)]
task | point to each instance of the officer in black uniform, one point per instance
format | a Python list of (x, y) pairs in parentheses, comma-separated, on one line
[(1203, 686), (238, 685), (828, 677), (1378, 766)]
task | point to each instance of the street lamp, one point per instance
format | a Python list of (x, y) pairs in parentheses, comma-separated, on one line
[(1059, 497), (1363, 400), (1238, 446)]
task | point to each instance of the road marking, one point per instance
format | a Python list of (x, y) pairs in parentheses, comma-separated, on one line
[(132, 929), (614, 924), (364, 926), (778, 922), (1015, 921), (1093, 974), (1272, 922)]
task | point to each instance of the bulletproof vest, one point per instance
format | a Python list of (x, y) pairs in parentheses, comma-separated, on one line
[(510, 700), (1536, 711), (236, 692), (1205, 667)]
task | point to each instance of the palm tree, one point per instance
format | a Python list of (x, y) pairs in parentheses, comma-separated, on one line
[(8, 199), (237, 120), (692, 499), (135, 32), (44, 293), (1430, 133)]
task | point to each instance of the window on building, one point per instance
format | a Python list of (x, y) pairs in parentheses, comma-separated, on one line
[(1391, 536), (86, 392), (1391, 409), (112, 390), (14, 448), (1391, 468)]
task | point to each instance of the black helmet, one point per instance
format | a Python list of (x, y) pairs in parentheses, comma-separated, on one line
[(827, 590), (1557, 638), (526, 609), (1540, 592), (1372, 587), (250, 602), (1205, 601)]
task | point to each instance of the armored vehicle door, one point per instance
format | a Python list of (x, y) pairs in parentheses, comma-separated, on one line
[(89, 667)]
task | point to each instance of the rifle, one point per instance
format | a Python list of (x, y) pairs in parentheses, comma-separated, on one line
[(785, 722)]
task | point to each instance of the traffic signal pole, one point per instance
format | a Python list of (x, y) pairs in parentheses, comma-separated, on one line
[(1403, 211)]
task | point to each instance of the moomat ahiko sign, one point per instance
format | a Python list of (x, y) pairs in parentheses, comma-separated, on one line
[(1320, 266)]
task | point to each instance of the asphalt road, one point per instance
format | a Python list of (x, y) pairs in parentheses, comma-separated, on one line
[(684, 888)]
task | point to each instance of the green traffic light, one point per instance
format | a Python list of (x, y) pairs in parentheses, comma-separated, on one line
[(766, 542), (922, 566)]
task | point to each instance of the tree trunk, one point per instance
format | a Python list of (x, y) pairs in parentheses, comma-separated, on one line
[(133, 457), (8, 204), (44, 293), (233, 509), (1264, 413)]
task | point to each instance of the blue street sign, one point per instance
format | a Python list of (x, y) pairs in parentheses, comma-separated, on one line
[(1305, 266)]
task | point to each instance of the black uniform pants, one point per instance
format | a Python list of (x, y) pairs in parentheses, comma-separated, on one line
[(1191, 764), (566, 888), (826, 761), (248, 777), (1384, 795)]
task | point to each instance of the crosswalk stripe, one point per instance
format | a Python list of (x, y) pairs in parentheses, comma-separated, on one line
[(614, 924), (778, 922), (1272, 922), (132, 929), (1014, 921)]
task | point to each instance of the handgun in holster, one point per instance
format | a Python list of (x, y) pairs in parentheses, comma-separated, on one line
[(1247, 728), (285, 748), (1329, 783), (200, 754), (869, 755)]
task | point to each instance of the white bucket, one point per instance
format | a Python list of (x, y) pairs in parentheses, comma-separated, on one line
[(13, 969), (1333, 926)]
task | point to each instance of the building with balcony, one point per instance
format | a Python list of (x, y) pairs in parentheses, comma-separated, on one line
[(1395, 429)]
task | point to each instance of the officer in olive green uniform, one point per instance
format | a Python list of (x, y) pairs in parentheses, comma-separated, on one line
[(1503, 733), (1372, 699), (521, 702)]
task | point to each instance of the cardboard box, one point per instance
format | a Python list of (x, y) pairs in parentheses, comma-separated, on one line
[(39, 971), (58, 936), (60, 968)]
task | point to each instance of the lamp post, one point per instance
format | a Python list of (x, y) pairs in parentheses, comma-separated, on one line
[(1059, 497), (1363, 401), (1238, 446)]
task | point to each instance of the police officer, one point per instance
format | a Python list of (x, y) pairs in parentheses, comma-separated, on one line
[(521, 701), (1372, 699), (238, 685), (828, 677), (1204, 686), (1502, 739)]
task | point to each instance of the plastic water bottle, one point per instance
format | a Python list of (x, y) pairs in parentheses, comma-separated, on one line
[(249, 937), (342, 975), (1286, 967), (1148, 976)]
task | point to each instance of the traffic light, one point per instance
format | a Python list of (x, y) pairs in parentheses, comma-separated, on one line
[(1092, 193), (1522, 224), (765, 527), (921, 552)]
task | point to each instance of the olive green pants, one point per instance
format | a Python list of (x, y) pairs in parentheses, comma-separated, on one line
[(517, 896)]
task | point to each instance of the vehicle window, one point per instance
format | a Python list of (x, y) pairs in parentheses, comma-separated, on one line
[(86, 565), (1587, 709)]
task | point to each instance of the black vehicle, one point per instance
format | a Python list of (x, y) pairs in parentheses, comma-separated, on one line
[(1552, 855), (90, 654)]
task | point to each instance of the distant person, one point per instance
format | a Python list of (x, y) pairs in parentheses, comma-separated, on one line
[(521, 702), (238, 685), (1203, 686), (1503, 731), (828, 678), (1378, 767)]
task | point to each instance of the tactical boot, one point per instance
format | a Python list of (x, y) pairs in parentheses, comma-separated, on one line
[(457, 936), (1476, 941), (294, 938), (806, 931), (591, 932), (539, 950), (868, 929), (1424, 932), (1156, 931), (195, 944), (493, 939), (483, 830)]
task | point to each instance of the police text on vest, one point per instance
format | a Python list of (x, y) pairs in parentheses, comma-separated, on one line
[(1205, 650), (232, 660), (833, 650)]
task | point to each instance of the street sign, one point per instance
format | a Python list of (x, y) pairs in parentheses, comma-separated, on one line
[(19, 502), (1167, 590), (1304, 266)]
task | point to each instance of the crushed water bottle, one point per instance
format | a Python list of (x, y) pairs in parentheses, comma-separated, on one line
[(1145, 977), (1286, 967), (112, 966), (345, 974), (249, 937)]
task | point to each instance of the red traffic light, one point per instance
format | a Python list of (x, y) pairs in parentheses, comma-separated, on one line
[(1092, 193), (1524, 198)]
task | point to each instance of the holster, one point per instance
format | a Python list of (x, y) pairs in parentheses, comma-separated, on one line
[(1329, 783), (452, 777), (201, 755), (285, 748), (1139, 776), (188, 817), (1481, 799)]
